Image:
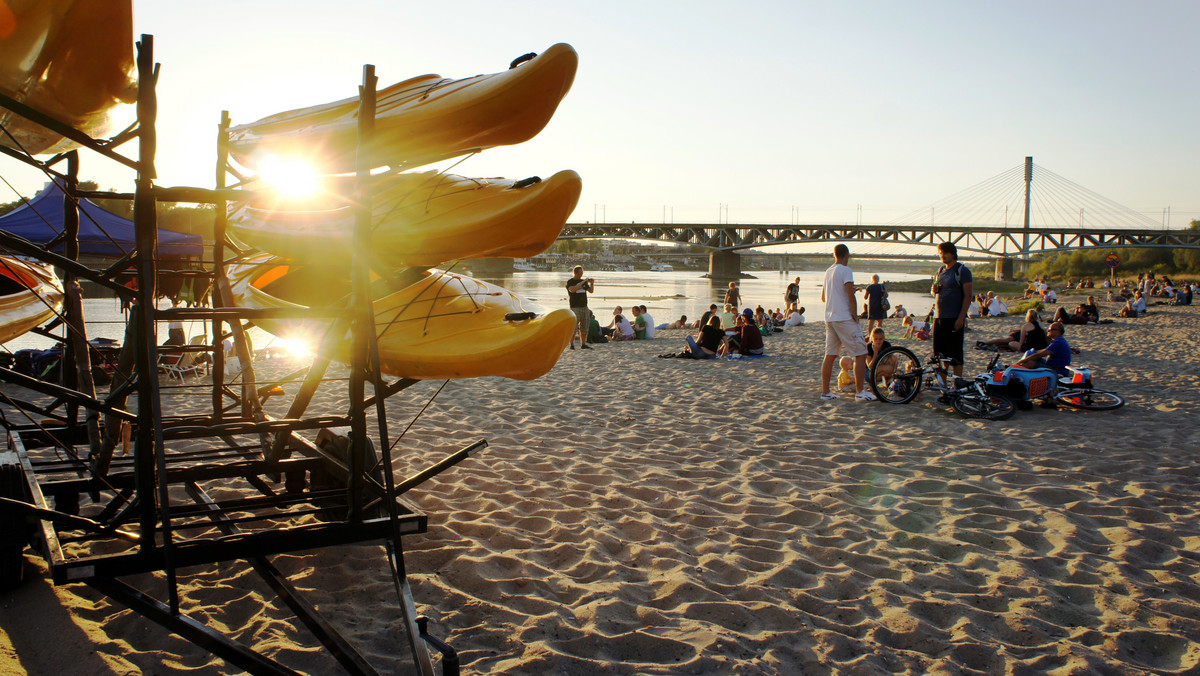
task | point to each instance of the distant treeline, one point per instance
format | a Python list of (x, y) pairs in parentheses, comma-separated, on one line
[(1090, 262)]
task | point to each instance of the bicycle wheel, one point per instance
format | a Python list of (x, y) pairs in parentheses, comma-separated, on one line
[(989, 406), (1091, 400), (896, 376)]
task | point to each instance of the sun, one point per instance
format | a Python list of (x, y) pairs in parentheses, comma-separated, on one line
[(289, 177)]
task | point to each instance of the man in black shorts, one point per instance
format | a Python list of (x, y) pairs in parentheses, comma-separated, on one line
[(952, 287)]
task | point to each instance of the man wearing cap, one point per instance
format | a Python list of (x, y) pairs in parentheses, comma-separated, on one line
[(747, 338)]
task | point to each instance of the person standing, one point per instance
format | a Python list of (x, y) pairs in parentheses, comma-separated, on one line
[(577, 290), (841, 325), (733, 296), (953, 289), (874, 295), (792, 296)]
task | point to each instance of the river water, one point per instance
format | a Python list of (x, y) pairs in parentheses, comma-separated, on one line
[(667, 295)]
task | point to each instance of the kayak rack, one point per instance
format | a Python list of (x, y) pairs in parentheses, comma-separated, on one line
[(193, 490)]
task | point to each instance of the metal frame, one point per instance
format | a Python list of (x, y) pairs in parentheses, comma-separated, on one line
[(990, 240), (134, 517)]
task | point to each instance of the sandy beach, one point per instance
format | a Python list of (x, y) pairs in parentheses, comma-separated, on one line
[(635, 515)]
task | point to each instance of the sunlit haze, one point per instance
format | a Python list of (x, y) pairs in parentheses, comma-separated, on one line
[(768, 112)]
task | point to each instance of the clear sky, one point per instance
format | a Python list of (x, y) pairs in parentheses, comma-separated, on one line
[(760, 106)]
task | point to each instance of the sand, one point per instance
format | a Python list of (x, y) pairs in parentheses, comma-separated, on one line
[(635, 515)]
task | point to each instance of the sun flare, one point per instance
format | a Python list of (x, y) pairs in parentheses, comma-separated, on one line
[(290, 177)]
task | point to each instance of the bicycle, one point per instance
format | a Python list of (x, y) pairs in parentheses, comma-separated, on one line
[(1023, 385), (968, 397)]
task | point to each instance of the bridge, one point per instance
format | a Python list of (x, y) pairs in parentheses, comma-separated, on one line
[(964, 220)]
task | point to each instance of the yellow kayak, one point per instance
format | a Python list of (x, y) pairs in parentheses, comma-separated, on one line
[(30, 295), (420, 219), (437, 325), (417, 121), (69, 59)]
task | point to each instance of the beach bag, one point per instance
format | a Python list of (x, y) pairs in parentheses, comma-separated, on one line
[(884, 303)]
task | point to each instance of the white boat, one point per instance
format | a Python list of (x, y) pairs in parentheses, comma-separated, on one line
[(523, 266), (661, 267)]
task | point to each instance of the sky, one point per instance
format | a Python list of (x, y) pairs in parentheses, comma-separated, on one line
[(753, 112)]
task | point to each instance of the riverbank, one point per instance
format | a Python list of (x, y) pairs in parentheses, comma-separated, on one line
[(635, 515)]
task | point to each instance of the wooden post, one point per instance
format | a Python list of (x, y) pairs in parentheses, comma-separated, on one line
[(221, 220), (76, 350)]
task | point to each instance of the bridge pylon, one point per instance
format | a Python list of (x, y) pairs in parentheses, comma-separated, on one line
[(724, 265)]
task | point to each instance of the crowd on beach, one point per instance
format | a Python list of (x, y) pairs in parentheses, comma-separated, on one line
[(733, 331)]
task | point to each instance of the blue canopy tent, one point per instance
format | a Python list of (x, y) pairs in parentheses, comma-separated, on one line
[(100, 233)]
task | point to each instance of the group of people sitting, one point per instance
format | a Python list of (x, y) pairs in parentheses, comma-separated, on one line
[(744, 338), (621, 328), (762, 317)]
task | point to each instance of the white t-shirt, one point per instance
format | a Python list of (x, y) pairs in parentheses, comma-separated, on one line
[(996, 307), (794, 319), (1051, 296), (973, 309), (837, 303), (649, 325)]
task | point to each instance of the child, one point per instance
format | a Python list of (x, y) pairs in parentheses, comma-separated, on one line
[(916, 329)]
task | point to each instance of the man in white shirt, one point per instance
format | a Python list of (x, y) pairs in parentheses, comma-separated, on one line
[(796, 318), (649, 322), (842, 330), (995, 306)]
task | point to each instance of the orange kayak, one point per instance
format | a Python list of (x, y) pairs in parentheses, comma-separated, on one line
[(69, 59), (420, 219), (30, 295), (417, 121), (437, 324)]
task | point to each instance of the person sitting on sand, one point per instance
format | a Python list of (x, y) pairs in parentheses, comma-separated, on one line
[(728, 316), (595, 334), (639, 323), (650, 327), (623, 330), (1092, 309), (706, 344), (995, 306), (900, 312), (703, 321), (1031, 335), (916, 329), (612, 326), (747, 338), (875, 347), (1056, 355), (795, 319)]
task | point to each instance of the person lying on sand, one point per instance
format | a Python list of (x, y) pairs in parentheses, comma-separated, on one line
[(1030, 336)]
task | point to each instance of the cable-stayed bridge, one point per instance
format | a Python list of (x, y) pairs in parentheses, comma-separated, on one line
[(1025, 210)]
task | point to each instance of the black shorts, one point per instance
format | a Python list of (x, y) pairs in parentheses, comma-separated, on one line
[(946, 341)]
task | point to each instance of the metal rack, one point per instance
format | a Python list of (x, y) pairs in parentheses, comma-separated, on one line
[(96, 518)]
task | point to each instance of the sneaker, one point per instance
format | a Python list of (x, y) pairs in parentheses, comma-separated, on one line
[(585, 346), (829, 395), (864, 396), (572, 346)]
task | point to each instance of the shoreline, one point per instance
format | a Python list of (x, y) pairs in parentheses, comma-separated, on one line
[(633, 515)]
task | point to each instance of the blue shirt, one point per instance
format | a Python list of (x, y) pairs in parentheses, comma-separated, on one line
[(1060, 355), (950, 299)]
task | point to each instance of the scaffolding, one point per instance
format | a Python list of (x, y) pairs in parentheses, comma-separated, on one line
[(97, 518)]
